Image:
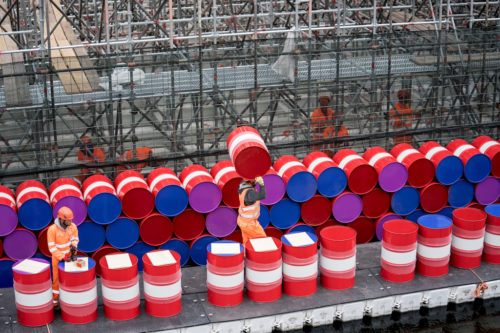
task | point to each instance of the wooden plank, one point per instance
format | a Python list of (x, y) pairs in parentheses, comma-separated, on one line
[(81, 53), (69, 55), (454, 58)]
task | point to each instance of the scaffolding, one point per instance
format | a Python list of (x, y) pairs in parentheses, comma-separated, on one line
[(178, 75)]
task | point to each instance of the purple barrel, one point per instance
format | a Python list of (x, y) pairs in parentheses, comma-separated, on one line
[(65, 192), (275, 187), (8, 211), (347, 207), (379, 225), (221, 222), (20, 244), (488, 191), (204, 195)]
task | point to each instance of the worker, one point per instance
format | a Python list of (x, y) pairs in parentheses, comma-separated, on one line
[(89, 154), (335, 131), (62, 240), (401, 117), (135, 157), (249, 210), (322, 118)]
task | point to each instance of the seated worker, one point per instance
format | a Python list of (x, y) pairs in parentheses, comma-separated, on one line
[(249, 211), (135, 157), (321, 119), (335, 131), (89, 154), (401, 118)]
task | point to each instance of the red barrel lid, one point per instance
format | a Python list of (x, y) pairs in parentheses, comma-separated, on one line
[(400, 233), (165, 262), (469, 218), (235, 236), (338, 238), (433, 197), (189, 224), (273, 232), (156, 229), (376, 203), (329, 223), (316, 210), (365, 229), (265, 253)]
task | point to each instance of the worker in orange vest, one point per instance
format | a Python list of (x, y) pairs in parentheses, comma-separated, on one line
[(249, 211), (335, 131), (139, 154), (321, 119), (89, 154), (401, 117), (62, 240)]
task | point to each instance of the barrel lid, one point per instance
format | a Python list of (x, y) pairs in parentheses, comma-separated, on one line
[(400, 232), (376, 203), (91, 236), (123, 233), (316, 210), (477, 168), (460, 194), (365, 229), (179, 246), (155, 229), (435, 221), (275, 189), (332, 181), (347, 207), (338, 238), (20, 244), (62, 265), (405, 201), (189, 224), (433, 197), (139, 249), (31, 266), (35, 214), (225, 248), (6, 275), (449, 170), (488, 191), (9, 220), (415, 215), (77, 206), (104, 208), (222, 221), (299, 238), (199, 249), (171, 200), (264, 217), (301, 186), (285, 214)]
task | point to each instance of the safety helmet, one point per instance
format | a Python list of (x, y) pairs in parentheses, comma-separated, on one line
[(403, 94), (65, 213), (324, 100), (85, 139), (244, 185)]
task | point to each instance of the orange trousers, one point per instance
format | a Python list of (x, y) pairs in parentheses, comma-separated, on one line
[(55, 280), (250, 229)]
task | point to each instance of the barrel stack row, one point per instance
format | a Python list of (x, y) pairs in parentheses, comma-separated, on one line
[(138, 214)]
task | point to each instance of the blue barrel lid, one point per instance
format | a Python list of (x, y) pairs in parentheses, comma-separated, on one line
[(285, 214), (140, 249), (302, 228), (123, 233), (35, 214), (104, 208), (447, 211), (209, 247), (312, 235), (199, 249), (264, 217), (405, 201), (478, 167), (449, 170), (6, 274), (493, 210), (178, 246), (301, 186), (92, 236), (435, 221), (171, 200), (460, 194), (331, 182), (415, 215)]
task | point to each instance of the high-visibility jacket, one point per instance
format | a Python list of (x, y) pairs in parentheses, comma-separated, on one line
[(248, 219), (330, 133), (401, 118), (320, 121), (141, 154), (96, 157)]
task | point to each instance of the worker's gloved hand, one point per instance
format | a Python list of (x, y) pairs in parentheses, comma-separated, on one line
[(72, 249), (260, 181)]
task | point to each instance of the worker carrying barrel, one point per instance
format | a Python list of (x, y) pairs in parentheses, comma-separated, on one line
[(249, 210), (62, 240)]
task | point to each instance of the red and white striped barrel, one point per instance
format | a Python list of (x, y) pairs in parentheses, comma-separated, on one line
[(361, 176), (449, 168), (434, 244), (162, 283), (301, 184), (67, 192), (120, 286), (34, 209), (133, 191), (78, 293), (392, 175), (287, 166), (204, 194), (225, 276), (226, 177), (33, 292), (248, 152), (300, 263), (263, 269), (103, 206), (317, 162), (477, 166), (399, 251), (8, 211), (491, 252), (421, 171), (171, 198), (337, 258), (490, 148), (331, 179), (161, 177), (468, 237), (30, 189)]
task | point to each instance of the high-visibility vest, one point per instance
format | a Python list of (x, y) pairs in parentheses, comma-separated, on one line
[(401, 117), (330, 133), (250, 212), (59, 240), (320, 121)]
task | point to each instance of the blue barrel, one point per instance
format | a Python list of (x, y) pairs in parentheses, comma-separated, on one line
[(264, 216), (332, 182), (460, 194), (199, 249), (92, 236), (302, 228), (447, 211), (104, 208), (405, 201), (6, 275), (138, 250), (171, 200), (123, 233), (35, 214), (285, 214), (449, 170), (178, 246), (415, 215)]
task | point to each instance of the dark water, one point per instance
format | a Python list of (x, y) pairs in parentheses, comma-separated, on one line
[(478, 316)]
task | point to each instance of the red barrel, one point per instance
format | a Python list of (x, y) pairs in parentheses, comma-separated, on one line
[(204, 194), (392, 175), (477, 166), (433, 197), (316, 210), (103, 206), (300, 263), (399, 251), (66, 192), (34, 209), (490, 148), (332, 180), (491, 252), (273, 232), (449, 168), (101, 252), (301, 185), (133, 191), (225, 273), (365, 229), (361, 176), (226, 177), (434, 245), (376, 203), (189, 224), (162, 283), (33, 292), (263, 269), (248, 152), (337, 259), (156, 229), (8, 211), (420, 170), (468, 237), (170, 197), (78, 293), (120, 286)]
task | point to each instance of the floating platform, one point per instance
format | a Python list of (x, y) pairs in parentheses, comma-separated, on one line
[(371, 296)]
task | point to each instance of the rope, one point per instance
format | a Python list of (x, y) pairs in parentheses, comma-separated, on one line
[(481, 287)]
